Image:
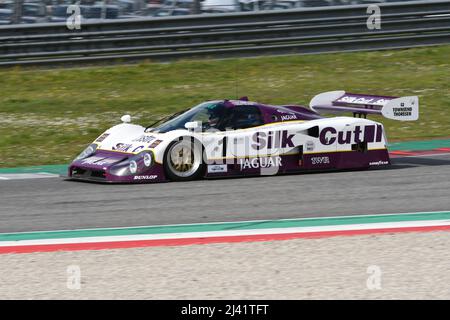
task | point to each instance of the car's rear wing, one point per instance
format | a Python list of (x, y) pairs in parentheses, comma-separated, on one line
[(396, 108)]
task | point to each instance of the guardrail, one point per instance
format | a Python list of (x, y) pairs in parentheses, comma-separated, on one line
[(315, 30)]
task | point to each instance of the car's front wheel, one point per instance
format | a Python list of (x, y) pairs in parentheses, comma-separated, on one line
[(183, 160)]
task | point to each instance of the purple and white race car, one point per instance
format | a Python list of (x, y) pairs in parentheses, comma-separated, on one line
[(225, 138)]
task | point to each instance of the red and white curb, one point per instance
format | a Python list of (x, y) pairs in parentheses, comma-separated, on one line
[(219, 236)]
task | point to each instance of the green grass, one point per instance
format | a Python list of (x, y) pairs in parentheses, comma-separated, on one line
[(48, 116)]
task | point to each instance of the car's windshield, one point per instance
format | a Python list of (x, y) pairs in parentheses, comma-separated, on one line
[(208, 113)]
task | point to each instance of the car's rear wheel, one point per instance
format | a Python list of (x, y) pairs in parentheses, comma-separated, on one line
[(183, 160)]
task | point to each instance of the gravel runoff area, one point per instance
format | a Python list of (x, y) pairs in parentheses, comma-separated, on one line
[(390, 266)]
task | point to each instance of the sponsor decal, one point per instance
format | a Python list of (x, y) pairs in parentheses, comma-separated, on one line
[(151, 177), (145, 139), (378, 163), (320, 160), (137, 149), (309, 145), (284, 111), (91, 160), (362, 100), (272, 139), (242, 103), (99, 161), (106, 162), (155, 143), (102, 137), (215, 168), (330, 135), (403, 112), (257, 163), (288, 117), (122, 147)]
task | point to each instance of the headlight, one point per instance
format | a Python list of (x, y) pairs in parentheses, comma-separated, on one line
[(133, 166), (136, 164), (89, 151), (147, 159)]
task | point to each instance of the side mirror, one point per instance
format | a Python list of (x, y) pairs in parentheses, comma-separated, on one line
[(126, 118), (191, 125)]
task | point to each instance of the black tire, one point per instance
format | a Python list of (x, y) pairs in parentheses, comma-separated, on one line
[(177, 172)]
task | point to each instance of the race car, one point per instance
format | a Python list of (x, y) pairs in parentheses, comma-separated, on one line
[(226, 138)]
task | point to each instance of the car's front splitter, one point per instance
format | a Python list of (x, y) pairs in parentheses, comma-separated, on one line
[(102, 167), (153, 174)]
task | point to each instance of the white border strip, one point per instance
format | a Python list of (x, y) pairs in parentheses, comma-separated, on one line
[(24, 176), (228, 233)]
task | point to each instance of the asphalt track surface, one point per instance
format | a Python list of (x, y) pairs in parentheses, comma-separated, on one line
[(411, 184)]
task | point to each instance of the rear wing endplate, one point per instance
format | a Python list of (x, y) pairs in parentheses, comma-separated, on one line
[(396, 108)]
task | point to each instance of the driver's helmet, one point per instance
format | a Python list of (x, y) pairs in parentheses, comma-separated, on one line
[(215, 114)]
